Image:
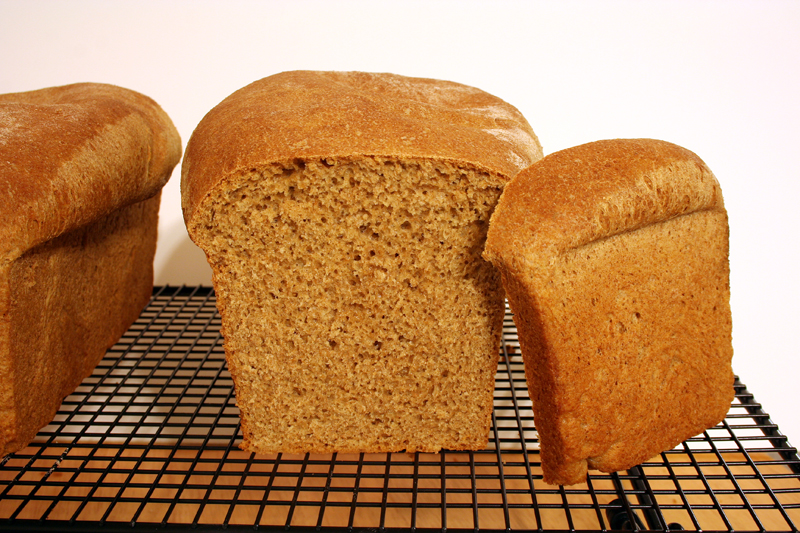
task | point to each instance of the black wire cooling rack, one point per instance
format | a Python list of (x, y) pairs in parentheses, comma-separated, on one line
[(149, 442)]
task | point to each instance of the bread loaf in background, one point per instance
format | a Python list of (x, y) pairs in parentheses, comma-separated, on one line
[(344, 215), (614, 256), (81, 172)]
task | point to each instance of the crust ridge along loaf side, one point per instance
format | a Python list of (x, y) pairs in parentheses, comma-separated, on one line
[(597, 190), (75, 153)]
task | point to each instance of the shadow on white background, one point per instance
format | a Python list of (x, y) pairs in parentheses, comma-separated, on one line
[(181, 262)]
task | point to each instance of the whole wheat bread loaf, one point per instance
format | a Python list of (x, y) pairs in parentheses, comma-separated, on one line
[(81, 172), (344, 215), (614, 256)]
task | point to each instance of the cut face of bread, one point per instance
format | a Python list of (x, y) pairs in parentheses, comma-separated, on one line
[(615, 259), (357, 311), (344, 215)]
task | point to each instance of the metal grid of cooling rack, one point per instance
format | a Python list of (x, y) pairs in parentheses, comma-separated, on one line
[(149, 442)]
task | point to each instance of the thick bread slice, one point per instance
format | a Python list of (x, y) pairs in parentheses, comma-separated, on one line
[(614, 256), (344, 215), (81, 171)]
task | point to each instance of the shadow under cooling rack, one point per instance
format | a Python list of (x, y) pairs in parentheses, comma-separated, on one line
[(149, 442)]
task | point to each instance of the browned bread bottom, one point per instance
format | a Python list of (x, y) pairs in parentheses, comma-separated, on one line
[(65, 302)]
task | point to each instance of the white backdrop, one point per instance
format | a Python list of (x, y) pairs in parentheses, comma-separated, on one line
[(721, 78)]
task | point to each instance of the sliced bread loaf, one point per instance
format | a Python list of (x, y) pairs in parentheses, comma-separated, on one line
[(614, 256), (344, 215)]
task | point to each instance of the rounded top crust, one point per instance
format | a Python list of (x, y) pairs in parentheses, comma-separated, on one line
[(593, 191), (314, 115), (70, 155)]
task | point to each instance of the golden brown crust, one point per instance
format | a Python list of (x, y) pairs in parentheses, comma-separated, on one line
[(72, 154), (614, 257), (313, 115), (596, 190), (81, 170)]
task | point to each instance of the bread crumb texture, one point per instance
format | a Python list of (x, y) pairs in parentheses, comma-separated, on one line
[(357, 311), (622, 306)]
